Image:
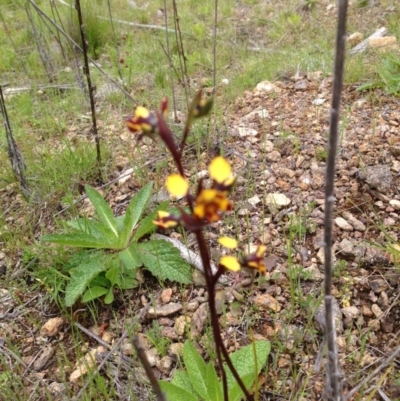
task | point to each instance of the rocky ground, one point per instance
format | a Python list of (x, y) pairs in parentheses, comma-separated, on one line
[(276, 140)]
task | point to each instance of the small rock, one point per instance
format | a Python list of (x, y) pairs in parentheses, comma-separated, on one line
[(107, 337), (355, 38), (57, 388), (395, 204), (387, 325), (169, 332), (180, 324), (225, 81), (301, 85), (345, 247), (152, 356), (378, 176), (192, 306), (165, 364), (262, 114), (283, 363), (273, 156), (343, 224), (313, 273), (376, 310), (384, 43), (52, 327), (374, 324), (89, 361), (266, 86), (166, 295), (378, 285), (366, 311), (255, 200), (351, 312), (318, 102), (199, 318), (175, 349), (277, 200), (267, 301), (243, 131), (367, 359), (165, 310), (44, 357), (357, 224)]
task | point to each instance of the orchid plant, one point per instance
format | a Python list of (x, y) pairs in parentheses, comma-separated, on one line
[(205, 206)]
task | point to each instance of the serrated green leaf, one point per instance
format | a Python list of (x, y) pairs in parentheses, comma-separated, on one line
[(81, 276), (93, 293), (244, 361), (80, 240), (134, 212), (103, 210), (175, 393), (214, 387), (181, 379), (109, 298), (196, 369), (147, 226), (130, 257), (235, 393), (164, 261)]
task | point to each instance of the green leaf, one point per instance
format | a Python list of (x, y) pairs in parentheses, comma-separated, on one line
[(214, 387), (112, 274), (244, 362), (109, 298), (93, 293), (146, 225), (81, 276), (134, 212), (235, 393), (175, 393), (196, 369), (103, 210), (96, 229), (164, 261), (80, 240), (181, 379), (130, 257), (100, 281)]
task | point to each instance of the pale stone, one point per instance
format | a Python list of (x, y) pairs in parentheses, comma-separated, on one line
[(175, 349), (52, 327), (165, 364), (343, 224), (88, 362), (355, 38), (395, 204), (180, 324), (267, 301), (263, 114), (243, 131), (384, 43), (255, 200), (277, 200), (152, 356), (166, 295), (351, 312), (266, 86), (163, 311), (376, 310)]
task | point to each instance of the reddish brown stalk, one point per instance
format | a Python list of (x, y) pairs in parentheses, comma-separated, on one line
[(220, 347)]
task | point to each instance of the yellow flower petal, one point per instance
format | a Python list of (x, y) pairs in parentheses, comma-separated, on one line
[(228, 242), (177, 185), (142, 112), (261, 250), (230, 263), (219, 169)]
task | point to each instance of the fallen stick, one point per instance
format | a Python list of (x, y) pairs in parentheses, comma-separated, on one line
[(361, 47)]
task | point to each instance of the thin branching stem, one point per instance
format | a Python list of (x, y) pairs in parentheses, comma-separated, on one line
[(89, 81), (15, 156), (334, 390), (62, 31)]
